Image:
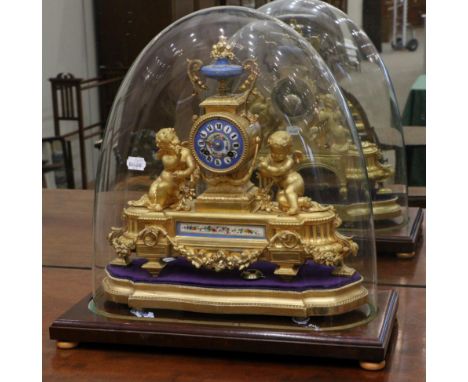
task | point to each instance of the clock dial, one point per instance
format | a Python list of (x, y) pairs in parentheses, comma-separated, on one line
[(218, 144)]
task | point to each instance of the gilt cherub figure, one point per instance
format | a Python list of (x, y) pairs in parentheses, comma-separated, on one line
[(335, 135), (278, 168), (175, 185)]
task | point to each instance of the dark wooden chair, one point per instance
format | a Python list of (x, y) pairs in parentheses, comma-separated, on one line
[(65, 164), (67, 105)]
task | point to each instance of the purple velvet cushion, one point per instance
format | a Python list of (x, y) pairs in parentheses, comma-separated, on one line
[(182, 272)]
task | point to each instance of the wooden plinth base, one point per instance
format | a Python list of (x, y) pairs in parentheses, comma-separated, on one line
[(403, 241), (367, 343)]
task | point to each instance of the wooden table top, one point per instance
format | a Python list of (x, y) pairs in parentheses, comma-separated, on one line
[(406, 272), (67, 251), (417, 196)]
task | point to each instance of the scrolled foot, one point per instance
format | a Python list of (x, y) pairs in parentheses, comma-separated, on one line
[(343, 270), (122, 261), (65, 345), (406, 255)]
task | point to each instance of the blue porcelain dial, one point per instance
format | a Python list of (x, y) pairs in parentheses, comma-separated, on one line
[(218, 144)]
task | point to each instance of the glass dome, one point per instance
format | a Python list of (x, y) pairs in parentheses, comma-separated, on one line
[(366, 85), (223, 150)]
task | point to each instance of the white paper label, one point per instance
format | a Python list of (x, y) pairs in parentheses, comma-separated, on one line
[(136, 163), (141, 313)]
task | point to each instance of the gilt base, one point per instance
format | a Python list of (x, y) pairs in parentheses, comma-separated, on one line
[(315, 291)]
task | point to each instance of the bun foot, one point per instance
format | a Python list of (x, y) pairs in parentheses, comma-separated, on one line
[(66, 345), (406, 255), (372, 366)]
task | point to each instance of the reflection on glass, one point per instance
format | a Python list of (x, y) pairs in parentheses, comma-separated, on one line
[(366, 86)]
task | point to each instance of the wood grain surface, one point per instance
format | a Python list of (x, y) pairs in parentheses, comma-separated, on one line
[(67, 227)]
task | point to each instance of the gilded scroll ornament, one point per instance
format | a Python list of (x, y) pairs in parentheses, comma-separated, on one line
[(151, 235), (193, 70), (286, 239), (123, 245)]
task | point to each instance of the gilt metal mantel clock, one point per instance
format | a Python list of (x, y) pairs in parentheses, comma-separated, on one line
[(232, 225), (218, 234)]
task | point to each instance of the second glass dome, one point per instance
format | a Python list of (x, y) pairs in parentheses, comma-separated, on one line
[(365, 83)]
